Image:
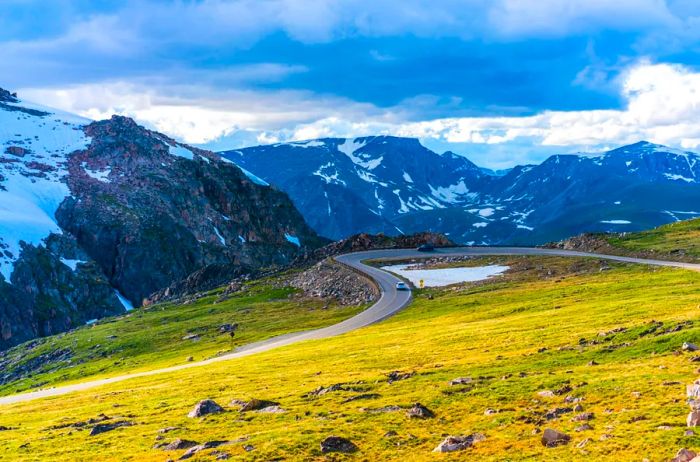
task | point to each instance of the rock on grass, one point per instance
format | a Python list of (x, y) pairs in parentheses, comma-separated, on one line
[(106, 427), (204, 407), (338, 444), (418, 411), (459, 443), (552, 438)]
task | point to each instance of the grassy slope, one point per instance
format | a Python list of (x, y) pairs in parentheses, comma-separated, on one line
[(153, 337), (492, 331), (680, 239)]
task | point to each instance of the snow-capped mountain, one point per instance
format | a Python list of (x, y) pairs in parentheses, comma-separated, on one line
[(96, 216), (396, 185), (346, 186)]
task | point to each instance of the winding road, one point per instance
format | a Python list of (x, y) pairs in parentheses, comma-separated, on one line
[(390, 302)]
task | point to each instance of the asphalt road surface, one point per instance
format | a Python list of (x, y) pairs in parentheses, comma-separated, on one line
[(390, 302)]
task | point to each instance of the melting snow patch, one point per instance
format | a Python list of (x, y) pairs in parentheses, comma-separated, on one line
[(293, 239), (308, 144), (218, 234), (255, 179), (99, 175), (91, 322), (349, 147), (124, 301), (529, 228), (678, 177), (241, 238), (407, 177), (446, 276), (617, 202), (181, 151), (450, 194), (72, 264), (480, 225), (487, 212), (616, 222)]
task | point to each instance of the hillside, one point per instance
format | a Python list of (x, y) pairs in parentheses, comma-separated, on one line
[(678, 241), (395, 185), (96, 216), (588, 348)]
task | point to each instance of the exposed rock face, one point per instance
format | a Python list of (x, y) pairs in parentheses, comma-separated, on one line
[(162, 217), (47, 296), (7, 97), (109, 206)]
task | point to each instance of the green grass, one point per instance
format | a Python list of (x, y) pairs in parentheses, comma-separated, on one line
[(679, 240), (493, 332), (152, 337)]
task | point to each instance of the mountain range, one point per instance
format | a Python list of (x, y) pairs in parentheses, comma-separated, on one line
[(97, 216), (395, 185)]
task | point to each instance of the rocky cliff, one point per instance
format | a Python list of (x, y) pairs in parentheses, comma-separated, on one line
[(96, 216)]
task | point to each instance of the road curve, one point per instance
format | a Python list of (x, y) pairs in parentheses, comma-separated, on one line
[(390, 302)]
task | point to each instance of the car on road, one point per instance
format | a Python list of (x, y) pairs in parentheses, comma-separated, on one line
[(425, 248), (401, 286)]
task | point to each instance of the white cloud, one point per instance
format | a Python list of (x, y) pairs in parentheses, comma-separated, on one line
[(663, 106)]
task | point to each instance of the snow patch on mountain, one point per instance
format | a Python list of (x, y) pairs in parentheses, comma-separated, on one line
[(329, 178), (254, 178), (616, 222), (33, 154), (293, 239), (72, 264), (99, 175), (451, 194), (350, 147), (308, 144), (675, 176), (181, 151)]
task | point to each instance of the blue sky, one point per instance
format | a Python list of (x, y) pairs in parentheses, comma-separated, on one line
[(500, 81)]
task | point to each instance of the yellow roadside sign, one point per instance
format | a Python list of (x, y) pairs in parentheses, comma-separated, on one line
[(421, 283)]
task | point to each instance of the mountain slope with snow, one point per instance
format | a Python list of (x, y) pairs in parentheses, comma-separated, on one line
[(346, 186), (395, 185), (97, 216)]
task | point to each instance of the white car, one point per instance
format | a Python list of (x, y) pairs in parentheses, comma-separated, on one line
[(401, 286)]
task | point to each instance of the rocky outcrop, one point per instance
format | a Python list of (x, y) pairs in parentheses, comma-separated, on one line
[(131, 212), (49, 295), (161, 217), (329, 279), (7, 97)]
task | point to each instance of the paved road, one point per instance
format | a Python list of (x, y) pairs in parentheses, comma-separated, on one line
[(390, 302)]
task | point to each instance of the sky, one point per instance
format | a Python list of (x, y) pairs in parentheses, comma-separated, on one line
[(502, 82)]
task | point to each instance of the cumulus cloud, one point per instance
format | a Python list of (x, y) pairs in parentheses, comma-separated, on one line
[(663, 105)]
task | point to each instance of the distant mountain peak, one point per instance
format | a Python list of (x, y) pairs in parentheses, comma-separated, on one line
[(7, 97)]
